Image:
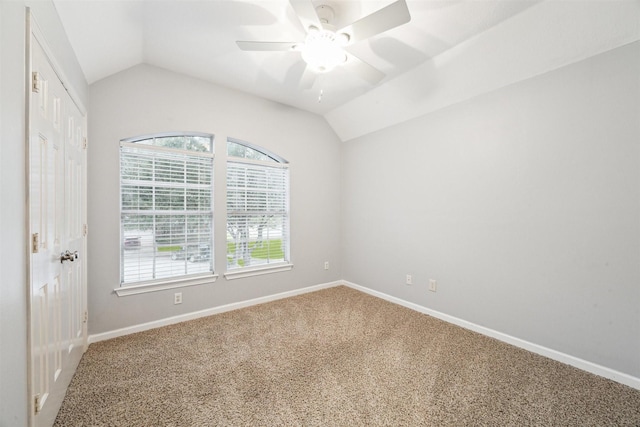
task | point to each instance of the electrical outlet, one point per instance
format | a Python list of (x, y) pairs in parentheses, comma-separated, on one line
[(409, 279), (433, 285), (177, 298), (326, 265)]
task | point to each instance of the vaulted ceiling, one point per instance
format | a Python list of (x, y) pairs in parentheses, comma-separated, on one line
[(451, 49)]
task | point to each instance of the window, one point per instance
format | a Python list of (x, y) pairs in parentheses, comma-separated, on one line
[(166, 189), (257, 208)]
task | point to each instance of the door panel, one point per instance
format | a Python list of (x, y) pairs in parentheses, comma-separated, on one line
[(56, 206)]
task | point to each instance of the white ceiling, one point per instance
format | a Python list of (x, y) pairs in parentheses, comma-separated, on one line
[(197, 38)]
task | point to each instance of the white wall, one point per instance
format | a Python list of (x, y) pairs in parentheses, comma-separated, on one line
[(13, 232), (523, 203), (145, 100)]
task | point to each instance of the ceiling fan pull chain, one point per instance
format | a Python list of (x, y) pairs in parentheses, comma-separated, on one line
[(320, 96)]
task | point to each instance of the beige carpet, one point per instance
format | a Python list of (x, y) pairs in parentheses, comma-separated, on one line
[(333, 357)]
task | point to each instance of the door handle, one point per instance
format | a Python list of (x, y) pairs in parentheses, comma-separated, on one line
[(68, 256)]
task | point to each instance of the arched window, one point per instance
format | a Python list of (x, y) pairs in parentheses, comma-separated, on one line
[(166, 196), (257, 209)]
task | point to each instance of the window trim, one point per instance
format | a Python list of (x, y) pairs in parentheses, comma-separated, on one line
[(161, 285), (240, 273)]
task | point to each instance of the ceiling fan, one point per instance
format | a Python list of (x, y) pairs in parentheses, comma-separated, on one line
[(323, 48)]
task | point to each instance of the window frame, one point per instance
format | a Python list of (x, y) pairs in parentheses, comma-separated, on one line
[(187, 279), (275, 162)]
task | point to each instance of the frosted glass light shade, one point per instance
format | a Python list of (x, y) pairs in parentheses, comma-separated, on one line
[(322, 50)]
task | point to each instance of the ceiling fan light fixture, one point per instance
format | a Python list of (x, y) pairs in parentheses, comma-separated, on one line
[(322, 50)]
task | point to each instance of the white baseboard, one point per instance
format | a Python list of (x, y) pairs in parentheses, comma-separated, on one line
[(584, 365), (208, 312)]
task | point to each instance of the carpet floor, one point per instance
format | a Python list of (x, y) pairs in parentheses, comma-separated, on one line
[(336, 357)]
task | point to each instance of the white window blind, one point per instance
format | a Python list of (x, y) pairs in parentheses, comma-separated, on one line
[(166, 208), (257, 210)]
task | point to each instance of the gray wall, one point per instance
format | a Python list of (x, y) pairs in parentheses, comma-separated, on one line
[(524, 205), (145, 100), (13, 231)]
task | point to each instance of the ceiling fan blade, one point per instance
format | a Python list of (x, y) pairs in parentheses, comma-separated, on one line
[(306, 12), (388, 17), (299, 76), (364, 70), (307, 79), (267, 46)]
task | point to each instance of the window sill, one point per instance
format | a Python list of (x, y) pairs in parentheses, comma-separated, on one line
[(258, 271), (124, 291)]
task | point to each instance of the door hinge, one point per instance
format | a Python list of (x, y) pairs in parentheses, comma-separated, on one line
[(85, 229), (84, 142), (35, 243), (85, 317), (36, 403), (35, 82)]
